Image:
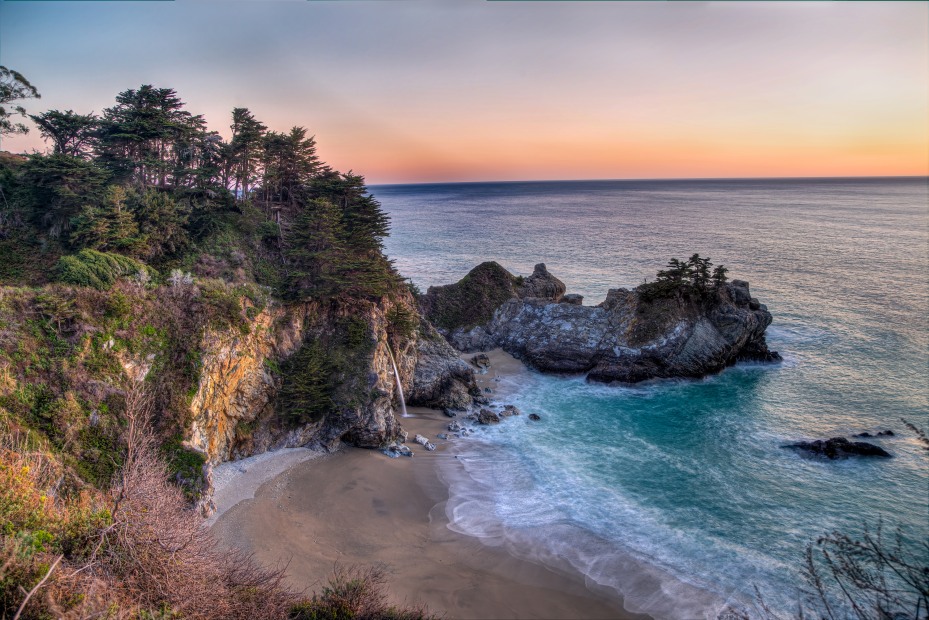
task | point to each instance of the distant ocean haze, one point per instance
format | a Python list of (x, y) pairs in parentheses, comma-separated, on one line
[(688, 478)]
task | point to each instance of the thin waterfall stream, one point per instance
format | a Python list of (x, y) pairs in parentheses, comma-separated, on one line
[(397, 377)]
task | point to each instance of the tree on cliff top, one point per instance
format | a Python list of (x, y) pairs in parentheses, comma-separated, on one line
[(71, 133), (14, 87)]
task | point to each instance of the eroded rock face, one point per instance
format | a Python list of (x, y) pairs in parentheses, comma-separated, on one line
[(628, 337), (236, 386), (235, 413), (441, 379)]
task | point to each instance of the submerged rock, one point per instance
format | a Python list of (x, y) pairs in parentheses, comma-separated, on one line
[(509, 410), (838, 447)]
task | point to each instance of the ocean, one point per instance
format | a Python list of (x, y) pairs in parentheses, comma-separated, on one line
[(677, 494)]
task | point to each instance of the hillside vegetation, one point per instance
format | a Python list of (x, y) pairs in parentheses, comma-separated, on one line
[(136, 234)]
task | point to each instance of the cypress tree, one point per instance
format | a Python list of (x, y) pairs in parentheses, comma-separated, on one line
[(306, 393), (314, 251)]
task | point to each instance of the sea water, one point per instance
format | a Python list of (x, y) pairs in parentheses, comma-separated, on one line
[(677, 494)]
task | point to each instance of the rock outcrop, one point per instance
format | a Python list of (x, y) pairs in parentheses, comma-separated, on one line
[(236, 410), (838, 447), (473, 300), (440, 379), (630, 337)]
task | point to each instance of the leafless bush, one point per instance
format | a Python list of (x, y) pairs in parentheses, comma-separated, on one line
[(358, 594), (156, 555), (877, 577)]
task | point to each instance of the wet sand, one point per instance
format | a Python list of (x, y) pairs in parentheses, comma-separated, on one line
[(359, 507)]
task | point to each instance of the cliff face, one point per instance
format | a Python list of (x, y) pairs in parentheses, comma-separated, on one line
[(236, 410), (629, 337), (237, 386)]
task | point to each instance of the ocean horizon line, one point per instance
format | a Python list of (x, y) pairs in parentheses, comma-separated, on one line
[(659, 179)]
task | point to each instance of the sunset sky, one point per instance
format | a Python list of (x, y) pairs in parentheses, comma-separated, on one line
[(465, 90)]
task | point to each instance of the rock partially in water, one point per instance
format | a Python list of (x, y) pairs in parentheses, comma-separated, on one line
[(442, 436), (486, 416), (396, 449), (632, 336), (509, 410), (839, 447), (450, 412), (428, 445), (481, 361), (455, 427), (535, 417)]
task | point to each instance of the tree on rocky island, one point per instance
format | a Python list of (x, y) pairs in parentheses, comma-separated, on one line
[(719, 275), (692, 276)]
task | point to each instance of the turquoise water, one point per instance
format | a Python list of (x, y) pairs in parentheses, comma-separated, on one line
[(677, 493)]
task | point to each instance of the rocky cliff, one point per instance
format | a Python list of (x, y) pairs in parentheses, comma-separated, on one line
[(630, 337), (237, 410)]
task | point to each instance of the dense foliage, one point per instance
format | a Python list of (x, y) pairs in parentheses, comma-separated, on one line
[(149, 181), (136, 233)]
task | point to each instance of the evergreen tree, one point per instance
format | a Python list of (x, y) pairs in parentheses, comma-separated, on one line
[(142, 135), (306, 390), (58, 187), (676, 273), (314, 252), (13, 87), (719, 275), (108, 226), (699, 271), (71, 133), (162, 221), (364, 224), (245, 149)]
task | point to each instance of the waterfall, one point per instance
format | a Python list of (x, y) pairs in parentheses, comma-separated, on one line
[(397, 376)]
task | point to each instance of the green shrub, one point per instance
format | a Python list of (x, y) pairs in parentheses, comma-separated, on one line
[(401, 322), (306, 393), (96, 269)]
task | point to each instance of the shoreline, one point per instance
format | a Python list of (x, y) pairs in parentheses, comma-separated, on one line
[(360, 507)]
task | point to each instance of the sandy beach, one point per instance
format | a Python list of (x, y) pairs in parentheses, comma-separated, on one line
[(359, 507)]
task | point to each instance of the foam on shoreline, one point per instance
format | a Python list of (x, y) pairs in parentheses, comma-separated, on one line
[(362, 508)]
